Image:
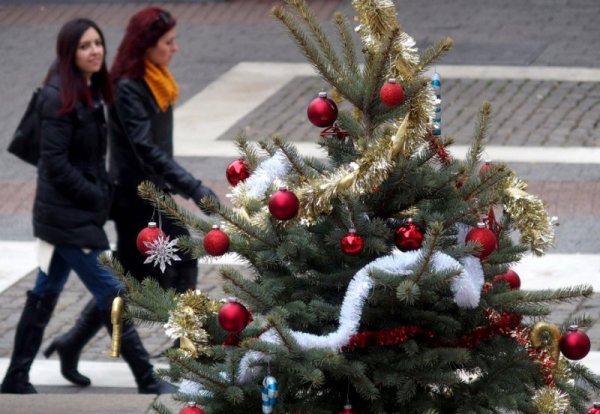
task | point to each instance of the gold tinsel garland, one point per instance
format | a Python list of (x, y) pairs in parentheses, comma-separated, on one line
[(549, 400), (377, 18), (187, 320), (529, 214), (355, 179)]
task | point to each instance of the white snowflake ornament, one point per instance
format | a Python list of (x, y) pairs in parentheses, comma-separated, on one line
[(161, 252)]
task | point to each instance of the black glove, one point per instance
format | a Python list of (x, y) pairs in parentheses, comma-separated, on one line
[(202, 191)]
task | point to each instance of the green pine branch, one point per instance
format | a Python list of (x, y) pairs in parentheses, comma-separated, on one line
[(147, 302), (247, 290), (374, 77), (167, 205), (481, 131), (317, 32), (318, 57), (435, 52), (345, 35)]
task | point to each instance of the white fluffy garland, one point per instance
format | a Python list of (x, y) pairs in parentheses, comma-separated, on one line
[(466, 288), (271, 170)]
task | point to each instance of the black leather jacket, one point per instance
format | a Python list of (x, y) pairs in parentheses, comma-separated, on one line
[(141, 145), (72, 195)]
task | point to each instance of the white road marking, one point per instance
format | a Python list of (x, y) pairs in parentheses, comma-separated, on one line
[(209, 114)]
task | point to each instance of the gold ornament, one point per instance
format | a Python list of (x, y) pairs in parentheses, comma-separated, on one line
[(116, 319), (546, 335), (400, 140), (188, 346)]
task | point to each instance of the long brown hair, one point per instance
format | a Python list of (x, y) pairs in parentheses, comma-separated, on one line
[(73, 85), (143, 31)]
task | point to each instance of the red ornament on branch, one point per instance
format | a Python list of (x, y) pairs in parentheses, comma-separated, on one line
[(283, 204), (409, 236), (216, 242), (191, 408), (511, 277), (234, 317), (485, 238), (322, 111), (486, 166), (146, 236), (237, 171), (392, 94), (352, 244), (575, 344), (595, 409), (348, 410)]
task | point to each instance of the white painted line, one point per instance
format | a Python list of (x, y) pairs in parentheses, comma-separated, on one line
[(102, 373), (543, 73), (539, 155), (546, 272), (16, 261), (118, 375), (209, 114), (557, 155), (554, 271)]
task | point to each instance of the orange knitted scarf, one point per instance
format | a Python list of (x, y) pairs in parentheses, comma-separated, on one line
[(162, 84)]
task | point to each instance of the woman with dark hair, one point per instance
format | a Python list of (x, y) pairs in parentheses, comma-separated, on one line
[(141, 149), (72, 199)]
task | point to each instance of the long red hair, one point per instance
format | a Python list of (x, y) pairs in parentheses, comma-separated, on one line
[(142, 32), (72, 83)]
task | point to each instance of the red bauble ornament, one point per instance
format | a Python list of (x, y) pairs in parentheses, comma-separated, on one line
[(237, 171), (352, 244), (148, 234), (575, 344), (409, 236), (485, 167), (191, 408), (392, 93), (216, 242), (284, 204), (348, 410), (233, 316), (595, 409), (483, 237), (322, 111), (511, 277)]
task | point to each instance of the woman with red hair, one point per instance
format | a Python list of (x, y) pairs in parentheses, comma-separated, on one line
[(141, 149)]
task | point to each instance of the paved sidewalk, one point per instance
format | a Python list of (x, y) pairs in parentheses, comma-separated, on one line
[(215, 36)]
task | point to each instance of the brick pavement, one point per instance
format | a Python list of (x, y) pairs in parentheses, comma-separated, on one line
[(216, 35)]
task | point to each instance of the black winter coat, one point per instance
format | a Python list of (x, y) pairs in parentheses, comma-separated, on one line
[(72, 195), (141, 145)]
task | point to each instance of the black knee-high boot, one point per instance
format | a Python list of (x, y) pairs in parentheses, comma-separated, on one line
[(138, 359), (70, 345), (28, 339)]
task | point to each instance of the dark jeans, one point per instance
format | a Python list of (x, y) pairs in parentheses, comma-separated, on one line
[(100, 281)]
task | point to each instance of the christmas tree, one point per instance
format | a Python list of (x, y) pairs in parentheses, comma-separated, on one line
[(378, 277)]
